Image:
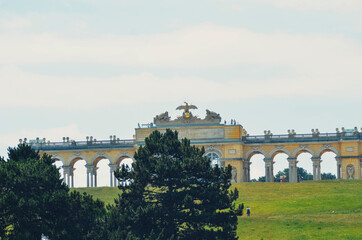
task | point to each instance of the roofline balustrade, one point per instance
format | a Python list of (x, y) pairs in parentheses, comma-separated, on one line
[(113, 142)]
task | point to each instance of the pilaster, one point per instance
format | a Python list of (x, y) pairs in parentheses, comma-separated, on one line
[(269, 175), (339, 167), (317, 168), (66, 173), (292, 169), (71, 174), (91, 175), (113, 180)]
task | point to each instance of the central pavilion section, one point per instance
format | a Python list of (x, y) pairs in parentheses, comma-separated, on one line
[(199, 131)]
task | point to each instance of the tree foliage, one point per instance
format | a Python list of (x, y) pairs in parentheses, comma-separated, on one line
[(173, 192), (261, 179), (35, 201), (302, 175), (31, 193), (85, 217), (328, 176)]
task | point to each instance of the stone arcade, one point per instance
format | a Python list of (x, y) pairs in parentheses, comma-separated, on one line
[(224, 144)]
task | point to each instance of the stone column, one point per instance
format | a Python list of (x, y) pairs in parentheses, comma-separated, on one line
[(95, 176), (339, 166), (246, 167), (113, 168), (66, 170), (269, 175), (90, 174), (316, 168), (244, 171), (248, 170), (292, 169), (71, 173)]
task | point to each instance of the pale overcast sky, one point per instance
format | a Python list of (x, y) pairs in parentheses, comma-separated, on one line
[(89, 67)]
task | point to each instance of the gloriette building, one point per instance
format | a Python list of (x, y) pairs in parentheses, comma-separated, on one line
[(224, 143)]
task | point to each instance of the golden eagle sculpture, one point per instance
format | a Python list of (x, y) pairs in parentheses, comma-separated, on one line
[(187, 118), (186, 109)]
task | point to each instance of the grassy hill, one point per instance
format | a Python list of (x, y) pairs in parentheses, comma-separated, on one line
[(308, 210)]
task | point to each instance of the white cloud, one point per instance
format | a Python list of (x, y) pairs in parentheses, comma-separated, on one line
[(317, 65), (33, 90), (15, 23), (202, 46), (11, 139), (324, 5), (80, 26)]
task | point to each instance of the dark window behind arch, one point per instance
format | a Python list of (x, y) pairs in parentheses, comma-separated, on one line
[(215, 158)]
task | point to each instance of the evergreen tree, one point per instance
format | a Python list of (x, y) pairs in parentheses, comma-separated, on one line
[(328, 176), (302, 175), (32, 194), (35, 201), (85, 217), (173, 192), (261, 179), (283, 173)]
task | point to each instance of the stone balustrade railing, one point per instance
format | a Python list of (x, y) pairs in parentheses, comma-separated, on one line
[(313, 137)]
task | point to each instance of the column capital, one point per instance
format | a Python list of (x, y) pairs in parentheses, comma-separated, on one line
[(113, 165), (268, 160), (246, 163), (71, 170), (316, 161), (292, 160), (339, 160), (91, 168), (66, 169)]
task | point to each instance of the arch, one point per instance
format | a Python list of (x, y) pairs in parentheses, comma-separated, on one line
[(59, 163), (122, 155), (326, 148), (99, 156), (302, 149), (126, 161), (254, 151), (279, 149), (57, 157), (103, 171), (254, 167), (213, 149), (305, 161), (76, 157), (78, 173), (329, 162)]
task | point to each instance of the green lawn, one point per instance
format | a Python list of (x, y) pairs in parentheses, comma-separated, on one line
[(308, 210)]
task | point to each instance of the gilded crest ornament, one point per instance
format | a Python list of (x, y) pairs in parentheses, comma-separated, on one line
[(187, 118), (186, 108)]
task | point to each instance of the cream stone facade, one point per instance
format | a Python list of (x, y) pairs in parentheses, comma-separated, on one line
[(225, 144)]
